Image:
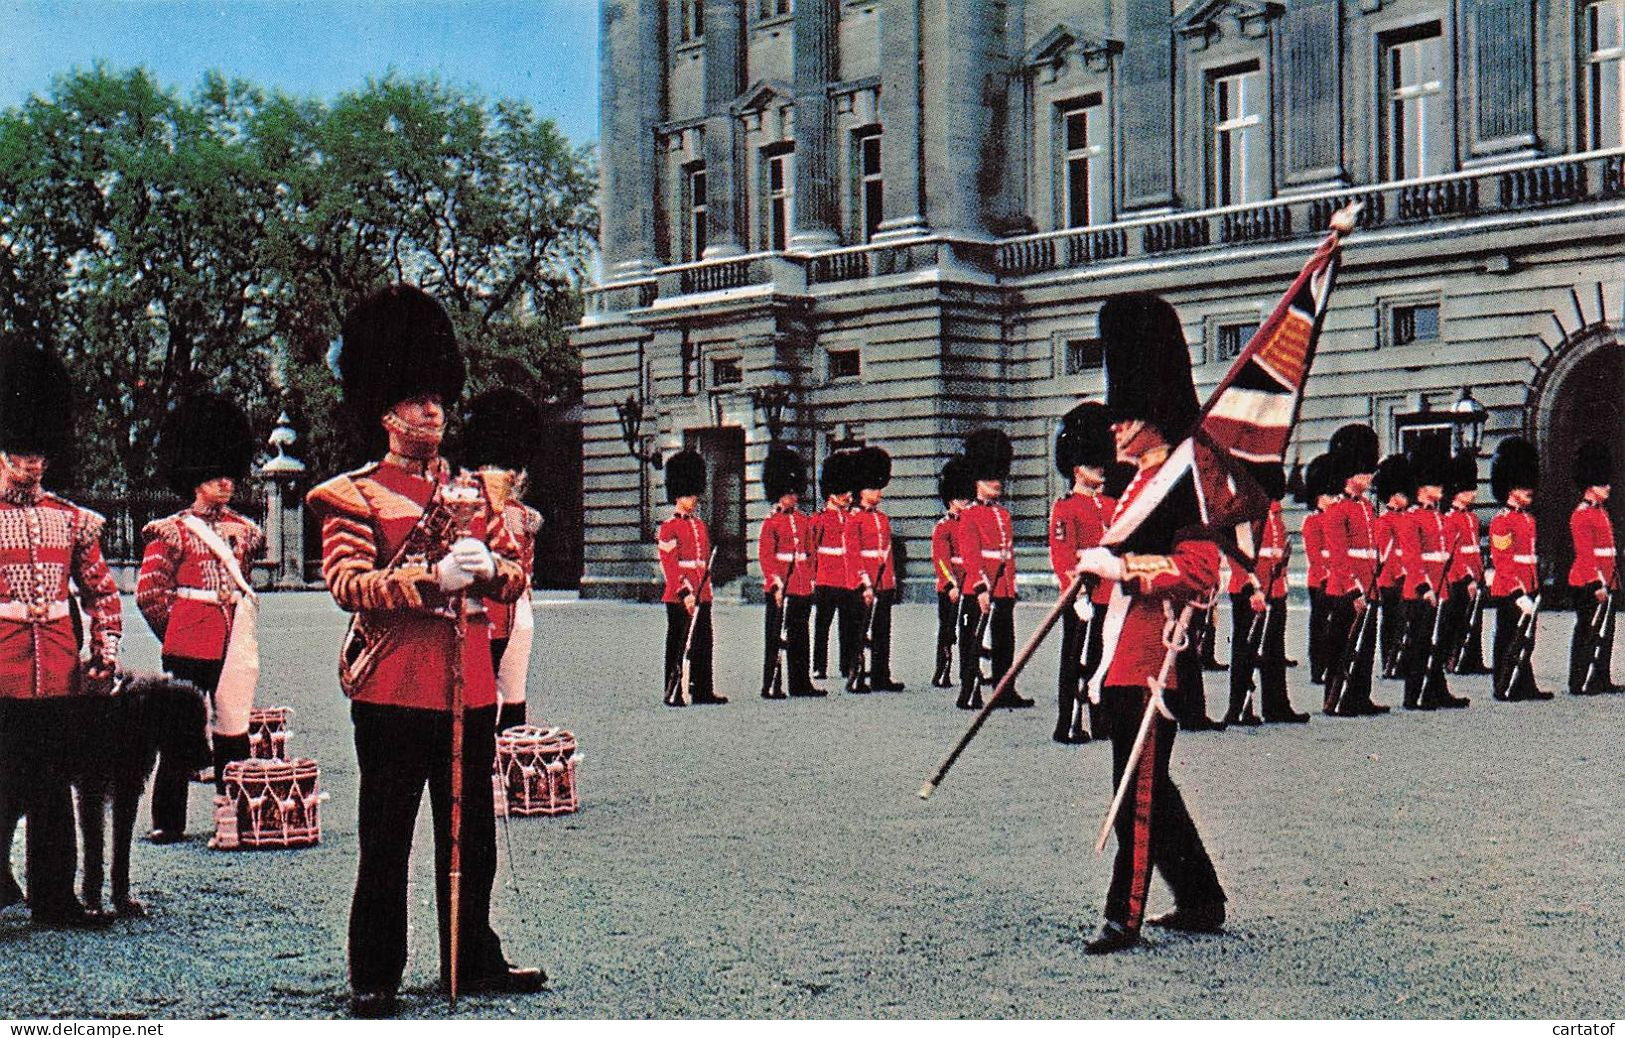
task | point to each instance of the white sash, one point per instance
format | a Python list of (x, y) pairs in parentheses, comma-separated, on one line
[(515, 665), (240, 673)]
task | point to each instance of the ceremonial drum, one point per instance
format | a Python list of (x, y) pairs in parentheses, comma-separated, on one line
[(535, 771), (268, 733), (271, 804)]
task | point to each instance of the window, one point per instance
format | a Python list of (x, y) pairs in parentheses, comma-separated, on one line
[(1084, 355), (1415, 134), (1083, 161), (726, 372), (1412, 324), (871, 193), (1240, 152), (1233, 338), (694, 231), (690, 20), (843, 364), (773, 8), (1604, 74), (778, 195)]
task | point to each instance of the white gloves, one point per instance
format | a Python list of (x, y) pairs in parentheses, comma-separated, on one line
[(1526, 605), (1084, 608), (474, 557), (1101, 562), (450, 575)]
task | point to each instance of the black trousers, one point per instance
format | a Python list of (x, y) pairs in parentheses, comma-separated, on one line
[(1394, 629), (1258, 642), (874, 623), (1080, 655), (1154, 828), (1318, 654), (1205, 636), (1514, 674), (699, 655), (36, 741), (840, 606), (1001, 628), (1466, 626), (174, 777), (1588, 645), (797, 648), (1190, 706), (1353, 646), (398, 750), (947, 631), (1424, 662)]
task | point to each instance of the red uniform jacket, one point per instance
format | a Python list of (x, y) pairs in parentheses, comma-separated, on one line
[(829, 541), (184, 591), (1076, 522), (366, 516), (1512, 553), (947, 555), (869, 549), (783, 549), (1269, 567), (1314, 549), (1421, 534), (1390, 547), (1351, 554), (523, 523), (990, 549), (1192, 569), (45, 541), (1466, 561), (1593, 546), (685, 552)]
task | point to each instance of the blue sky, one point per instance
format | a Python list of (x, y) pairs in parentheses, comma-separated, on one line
[(541, 51)]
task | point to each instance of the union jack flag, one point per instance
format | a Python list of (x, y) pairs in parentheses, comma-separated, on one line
[(1216, 479)]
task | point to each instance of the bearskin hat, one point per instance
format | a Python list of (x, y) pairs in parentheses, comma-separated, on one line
[(1394, 476), (1354, 448), (1084, 438), (783, 472), (872, 470), (954, 482), (836, 477), (1593, 465), (397, 344), (206, 437), (988, 454), (1119, 474), (1148, 366), (1430, 465), (502, 430), (36, 402), (1314, 482), (1515, 466), (1463, 474), (685, 476)]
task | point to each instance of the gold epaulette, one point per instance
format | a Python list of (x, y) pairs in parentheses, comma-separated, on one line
[(340, 494)]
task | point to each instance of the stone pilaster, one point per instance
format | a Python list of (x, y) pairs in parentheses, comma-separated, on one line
[(903, 120), (817, 183), (1147, 105), (631, 61), (724, 81)]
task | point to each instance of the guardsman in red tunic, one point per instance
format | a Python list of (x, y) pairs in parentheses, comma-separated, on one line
[(1152, 401), (833, 595), (502, 430), (45, 542), (1465, 574), (1514, 479), (1427, 552), (784, 550), (191, 588), (685, 562), (385, 558), (1395, 486), (1352, 566), (873, 564), (1318, 495), (1594, 576), (1083, 453), (990, 568), (955, 489), (1258, 600)]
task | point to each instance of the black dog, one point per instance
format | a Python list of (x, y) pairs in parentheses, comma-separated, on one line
[(115, 745)]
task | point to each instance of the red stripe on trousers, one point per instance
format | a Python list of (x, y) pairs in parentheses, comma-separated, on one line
[(1143, 781)]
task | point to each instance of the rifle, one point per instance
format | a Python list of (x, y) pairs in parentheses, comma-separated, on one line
[(983, 651), (858, 681), (1604, 615), (1474, 613), (1068, 596), (677, 691), (1255, 642), (1518, 656), (1337, 683), (1438, 611), (1080, 694), (776, 684)]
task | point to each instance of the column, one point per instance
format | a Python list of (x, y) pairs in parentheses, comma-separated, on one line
[(632, 64), (962, 97), (903, 118), (817, 210), (724, 81)]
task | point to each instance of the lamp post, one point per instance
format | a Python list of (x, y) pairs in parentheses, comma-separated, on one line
[(1468, 416), (630, 414), (771, 402), (284, 509)]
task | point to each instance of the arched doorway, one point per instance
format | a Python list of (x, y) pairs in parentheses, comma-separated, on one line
[(1578, 395)]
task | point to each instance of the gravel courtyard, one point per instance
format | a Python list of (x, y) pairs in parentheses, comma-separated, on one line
[(770, 859)]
